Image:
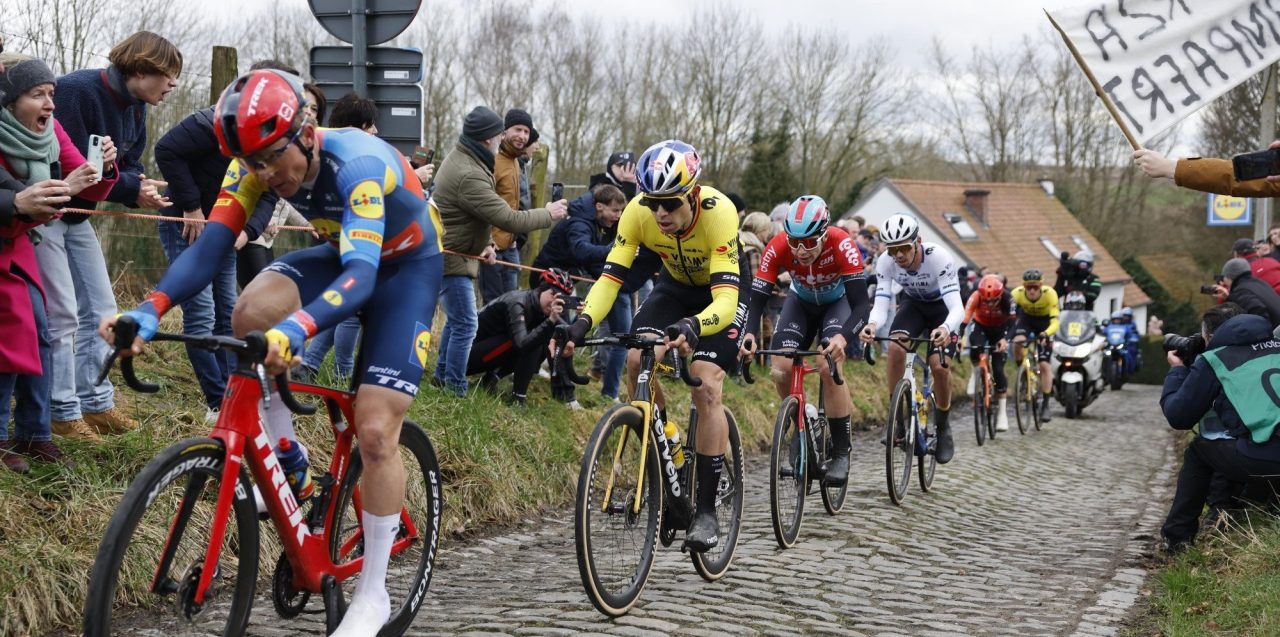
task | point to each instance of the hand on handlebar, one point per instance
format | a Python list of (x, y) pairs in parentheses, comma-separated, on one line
[(748, 347), (280, 353), (146, 322), (835, 348), (940, 336), (686, 336), (868, 333)]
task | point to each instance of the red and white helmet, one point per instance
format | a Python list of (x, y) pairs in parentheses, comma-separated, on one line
[(258, 109)]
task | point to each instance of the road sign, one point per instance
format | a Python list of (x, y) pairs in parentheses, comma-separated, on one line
[(1225, 210), (385, 65), (399, 118), (383, 19)]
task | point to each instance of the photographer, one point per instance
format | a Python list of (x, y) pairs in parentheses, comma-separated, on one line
[(1224, 378), (513, 335), (1075, 274), (1251, 294)]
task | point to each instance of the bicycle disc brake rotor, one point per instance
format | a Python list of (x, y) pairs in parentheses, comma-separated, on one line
[(185, 602)]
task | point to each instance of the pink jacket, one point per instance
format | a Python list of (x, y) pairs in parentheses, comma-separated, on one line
[(19, 348)]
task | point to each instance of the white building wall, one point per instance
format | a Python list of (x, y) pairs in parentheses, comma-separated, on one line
[(884, 204)]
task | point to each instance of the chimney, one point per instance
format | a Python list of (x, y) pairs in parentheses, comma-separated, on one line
[(976, 201)]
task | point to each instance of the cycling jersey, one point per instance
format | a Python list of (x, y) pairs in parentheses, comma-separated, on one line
[(990, 315), (820, 282), (1045, 306), (933, 281), (706, 255)]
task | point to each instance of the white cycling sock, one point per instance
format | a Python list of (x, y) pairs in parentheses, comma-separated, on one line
[(370, 606)]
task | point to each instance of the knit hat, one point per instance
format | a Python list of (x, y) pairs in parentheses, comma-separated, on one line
[(22, 77), (1233, 268), (482, 123), (621, 157), (1244, 246), (533, 136), (517, 117)]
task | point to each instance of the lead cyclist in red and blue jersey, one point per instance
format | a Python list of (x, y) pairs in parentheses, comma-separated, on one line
[(383, 261)]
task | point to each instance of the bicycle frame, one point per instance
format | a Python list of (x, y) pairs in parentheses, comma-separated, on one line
[(1031, 350)]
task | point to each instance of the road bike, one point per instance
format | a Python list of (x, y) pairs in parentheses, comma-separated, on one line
[(984, 417), (908, 432), (1027, 395), (801, 449), (186, 531), (631, 492)]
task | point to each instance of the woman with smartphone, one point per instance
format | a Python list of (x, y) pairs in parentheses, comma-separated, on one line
[(40, 170)]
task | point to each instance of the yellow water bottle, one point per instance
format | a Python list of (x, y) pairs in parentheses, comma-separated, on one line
[(673, 438)]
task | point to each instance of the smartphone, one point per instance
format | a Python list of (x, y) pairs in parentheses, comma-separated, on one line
[(421, 156), (557, 191), (95, 153), (1256, 165)]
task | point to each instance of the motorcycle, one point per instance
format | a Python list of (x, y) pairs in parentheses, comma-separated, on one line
[(1077, 363), (1116, 367)]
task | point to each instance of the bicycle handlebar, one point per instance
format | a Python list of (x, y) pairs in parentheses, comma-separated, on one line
[(796, 355), (942, 351), (564, 364), (253, 347)]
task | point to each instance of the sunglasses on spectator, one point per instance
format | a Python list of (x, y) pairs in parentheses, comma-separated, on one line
[(667, 204), (804, 244), (902, 249)]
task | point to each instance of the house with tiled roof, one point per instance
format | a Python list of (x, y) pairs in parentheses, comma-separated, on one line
[(1007, 227)]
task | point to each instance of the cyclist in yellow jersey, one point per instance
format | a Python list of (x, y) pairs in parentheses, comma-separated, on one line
[(694, 230), (1037, 314)]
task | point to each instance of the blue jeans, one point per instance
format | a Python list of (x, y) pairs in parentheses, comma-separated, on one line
[(344, 336), (619, 320), (78, 290), (31, 418), (459, 298), (208, 312), (496, 280)]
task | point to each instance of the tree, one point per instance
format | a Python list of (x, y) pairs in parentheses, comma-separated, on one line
[(768, 180), (1230, 123)]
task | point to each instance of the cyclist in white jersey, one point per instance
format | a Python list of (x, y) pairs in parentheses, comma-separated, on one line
[(930, 305)]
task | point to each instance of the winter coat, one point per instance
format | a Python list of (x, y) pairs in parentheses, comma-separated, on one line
[(96, 102), (506, 177), (19, 349), (577, 243), (468, 201), (1256, 297), (1207, 174), (1266, 270)]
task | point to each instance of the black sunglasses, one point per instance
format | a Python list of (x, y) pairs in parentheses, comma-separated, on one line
[(667, 204)]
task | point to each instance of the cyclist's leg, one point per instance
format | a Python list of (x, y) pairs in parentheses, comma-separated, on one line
[(907, 322), (838, 404), (712, 359), (792, 331)]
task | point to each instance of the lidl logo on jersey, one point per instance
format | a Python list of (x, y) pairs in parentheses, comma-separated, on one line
[(366, 200), (333, 297), (421, 345)]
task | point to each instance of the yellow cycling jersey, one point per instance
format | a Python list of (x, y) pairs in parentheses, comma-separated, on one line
[(705, 255), (1045, 306)]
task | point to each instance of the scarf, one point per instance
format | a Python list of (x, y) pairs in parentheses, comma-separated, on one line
[(479, 150), (31, 155)]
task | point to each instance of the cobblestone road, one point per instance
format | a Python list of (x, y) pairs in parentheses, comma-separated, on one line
[(1029, 535)]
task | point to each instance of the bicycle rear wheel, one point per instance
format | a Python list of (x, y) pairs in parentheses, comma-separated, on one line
[(154, 547), (899, 441), (788, 475), (614, 541), (409, 572), (980, 406), (992, 406), (713, 564), (1023, 407)]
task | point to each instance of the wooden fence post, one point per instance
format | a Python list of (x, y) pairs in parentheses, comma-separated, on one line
[(224, 67)]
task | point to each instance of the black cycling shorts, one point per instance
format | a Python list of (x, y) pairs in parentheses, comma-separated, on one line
[(671, 301), (800, 322), (1028, 325), (983, 335), (916, 319)]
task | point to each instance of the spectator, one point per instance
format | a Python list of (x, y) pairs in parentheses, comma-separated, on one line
[(1262, 247), (353, 111), (619, 171), (739, 203), (968, 283), (526, 197), (1265, 270), (1251, 294), (110, 102), (496, 280), (1273, 243), (1224, 380), (191, 163), (32, 147), (468, 202), (513, 335), (756, 232)]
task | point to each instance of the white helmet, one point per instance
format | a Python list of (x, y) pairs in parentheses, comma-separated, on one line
[(900, 228)]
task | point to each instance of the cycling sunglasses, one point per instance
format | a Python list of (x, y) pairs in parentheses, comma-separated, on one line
[(902, 249), (266, 158), (804, 244), (668, 204), (1030, 287)]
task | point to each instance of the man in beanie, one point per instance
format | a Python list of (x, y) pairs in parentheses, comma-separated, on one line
[(1255, 296), (1265, 270), (496, 280), (467, 199), (619, 171)]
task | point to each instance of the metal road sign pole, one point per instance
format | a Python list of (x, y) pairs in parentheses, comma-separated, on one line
[(359, 49)]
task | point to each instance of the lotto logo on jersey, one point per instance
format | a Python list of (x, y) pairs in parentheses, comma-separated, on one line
[(366, 200), (333, 297), (421, 345)]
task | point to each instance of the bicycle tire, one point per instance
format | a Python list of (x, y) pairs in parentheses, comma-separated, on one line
[(124, 578), (788, 474), (409, 571), (980, 407), (712, 565), (993, 404), (1022, 400), (899, 439), (614, 595), (1037, 397), (928, 463)]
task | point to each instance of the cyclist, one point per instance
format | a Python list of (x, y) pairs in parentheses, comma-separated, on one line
[(991, 311), (382, 242), (694, 231), (930, 305), (1037, 307), (828, 297)]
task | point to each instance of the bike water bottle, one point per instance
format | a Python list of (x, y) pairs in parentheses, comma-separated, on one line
[(673, 438), (296, 469), (810, 413)]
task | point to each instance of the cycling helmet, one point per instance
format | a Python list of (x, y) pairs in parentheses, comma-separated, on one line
[(990, 287), (1032, 275), (808, 217), (900, 228), (1117, 315), (557, 279), (668, 169), (258, 109)]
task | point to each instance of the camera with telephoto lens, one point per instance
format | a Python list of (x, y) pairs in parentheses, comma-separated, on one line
[(1186, 347)]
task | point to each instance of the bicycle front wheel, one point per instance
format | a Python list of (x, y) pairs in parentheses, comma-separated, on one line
[(1023, 407), (832, 496), (980, 406), (414, 551), (927, 464), (789, 474), (713, 564), (153, 550), (899, 441), (616, 512)]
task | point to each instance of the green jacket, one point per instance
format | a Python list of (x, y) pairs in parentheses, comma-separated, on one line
[(466, 196)]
